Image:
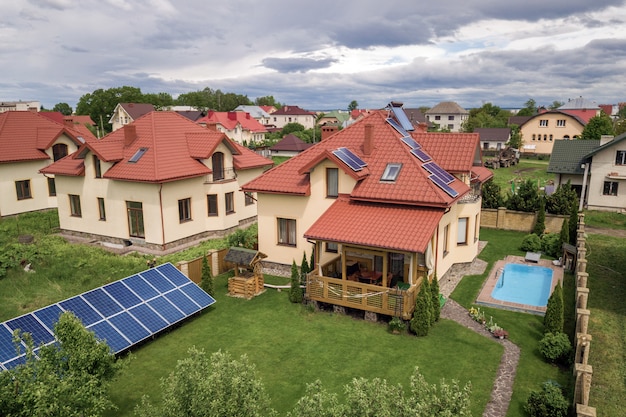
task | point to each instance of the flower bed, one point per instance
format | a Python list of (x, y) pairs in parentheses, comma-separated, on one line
[(493, 328)]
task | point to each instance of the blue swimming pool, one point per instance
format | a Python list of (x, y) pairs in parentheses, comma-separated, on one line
[(524, 284)]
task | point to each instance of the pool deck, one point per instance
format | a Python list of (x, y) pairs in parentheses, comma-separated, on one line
[(484, 297)]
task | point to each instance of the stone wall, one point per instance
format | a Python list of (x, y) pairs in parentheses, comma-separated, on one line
[(520, 221)]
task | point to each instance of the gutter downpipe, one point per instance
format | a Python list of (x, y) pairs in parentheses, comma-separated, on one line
[(162, 221), (584, 189)]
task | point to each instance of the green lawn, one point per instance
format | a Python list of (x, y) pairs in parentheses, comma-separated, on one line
[(605, 219), (532, 169)]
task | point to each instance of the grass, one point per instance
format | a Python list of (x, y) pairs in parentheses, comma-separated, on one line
[(605, 219), (526, 169)]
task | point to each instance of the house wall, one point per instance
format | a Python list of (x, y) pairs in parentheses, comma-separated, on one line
[(444, 121), (551, 132), (603, 168), (280, 120)]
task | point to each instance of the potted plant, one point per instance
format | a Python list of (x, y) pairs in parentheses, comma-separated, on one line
[(396, 325), (500, 333)]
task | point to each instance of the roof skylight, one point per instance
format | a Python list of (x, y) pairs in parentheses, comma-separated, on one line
[(392, 170), (138, 155)]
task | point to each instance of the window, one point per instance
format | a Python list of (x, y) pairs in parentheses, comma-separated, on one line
[(332, 182), (137, 156), (332, 247), (446, 232), (217, 162), (184, 210), (229, 199), (610, 188), (450, 117), (96, 167), (620, 158), (545, 138), (101, 210), (391, 172), (248, 198), (437, 117), (450, 126), (543, 123), (550, 137), (287, 232), (461, 237), (560, 123), (75, 210), (534, 136), (135, 219), (23, 189), (59, 151), (52, 188), (211, 201)]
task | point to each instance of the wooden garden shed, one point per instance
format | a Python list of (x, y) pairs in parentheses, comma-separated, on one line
[(248, 280)]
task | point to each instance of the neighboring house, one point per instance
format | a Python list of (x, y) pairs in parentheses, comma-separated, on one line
[(493, 138), (541, 130), (19, 106), (193, 115), (581, 108), (568, 161), (447, 115), (239, 126), (159, 182), (418, 118), (290, 145), (256, 112), (78, 123), (380, 206), (28, 143), (292, 114), (125, 113), (336, 117)]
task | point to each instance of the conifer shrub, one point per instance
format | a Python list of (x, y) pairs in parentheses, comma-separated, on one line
[(553, 320), (295, 292), (435, 306), (420, 323), (540, 224), (206, 281)]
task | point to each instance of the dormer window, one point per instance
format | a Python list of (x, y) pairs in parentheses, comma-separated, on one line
[(391, 172)]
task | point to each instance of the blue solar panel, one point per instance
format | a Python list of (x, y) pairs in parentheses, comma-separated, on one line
[(105, 332), (157, 280), (350, 158), (148, 317), (401, 117), (421, 155), (121, 313), (397, 126), (435, 169), (29, 324), (141, 287), (441, 184), (129, 327), (122, 294), (411, 142), (82, 310)]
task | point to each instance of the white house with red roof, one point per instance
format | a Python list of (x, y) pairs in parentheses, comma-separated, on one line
[(159, 182), (380, 205), (237, 125), (29, 142), (292, 114)]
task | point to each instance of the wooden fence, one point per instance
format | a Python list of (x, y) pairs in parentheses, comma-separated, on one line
[(193, 269)]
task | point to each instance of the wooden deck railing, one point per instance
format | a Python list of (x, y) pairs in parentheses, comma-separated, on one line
[(367, 297)]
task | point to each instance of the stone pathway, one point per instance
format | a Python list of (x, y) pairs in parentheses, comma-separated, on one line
[(505, 375)]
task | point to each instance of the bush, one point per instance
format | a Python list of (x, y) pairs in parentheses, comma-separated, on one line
[(554, 319), (549, 402), (435, 311), (492, 195), (551, 244), (540, 224), (206, 282), (531, 243), (555, 347), (295, 292), (420, 323)]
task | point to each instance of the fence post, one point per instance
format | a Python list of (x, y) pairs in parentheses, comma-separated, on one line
[(582, 265), (501, 217), (581, 279), (585, 411), (583, 383), (582, 320), (183, 266), (583, 344), (582, 295)]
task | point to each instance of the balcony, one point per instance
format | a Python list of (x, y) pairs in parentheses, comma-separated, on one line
[(227, 174)]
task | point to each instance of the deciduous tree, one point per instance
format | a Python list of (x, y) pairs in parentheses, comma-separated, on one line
[(598, 126), (63, 108)]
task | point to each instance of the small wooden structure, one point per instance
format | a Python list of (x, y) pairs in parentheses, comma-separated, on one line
[(248, 280)]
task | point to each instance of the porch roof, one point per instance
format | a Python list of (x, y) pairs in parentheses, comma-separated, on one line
[(387, 226)]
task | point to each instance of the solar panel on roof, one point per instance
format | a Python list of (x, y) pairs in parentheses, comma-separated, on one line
[(397, 126), (401, 117), (421, 155), (121, 313), (410, 142), (435, 169), (441, 184), (350, 159)]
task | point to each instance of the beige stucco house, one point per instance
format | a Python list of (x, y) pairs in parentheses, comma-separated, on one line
[(380, 206), (29, 142), (125, 113), (447, 115), (541, 130), (159, 182)]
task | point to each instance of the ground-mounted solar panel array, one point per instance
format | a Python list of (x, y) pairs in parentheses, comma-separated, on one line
[(122, 313)]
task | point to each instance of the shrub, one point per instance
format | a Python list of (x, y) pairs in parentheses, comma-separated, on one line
[(420, 323), (525, 198), (295, 292), (549, 402), (553, 320), (555, 347), (491, 195), (573, 224), (551, 244), (562, 200), (435, 311), (564, 235), (531, 243), (206, 283), (540, 223), (396, 324)]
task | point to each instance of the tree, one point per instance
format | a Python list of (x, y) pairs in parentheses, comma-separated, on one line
[(295, 292), (555, 105), (530, 108), (492, 195), (549, 402), (434, 302), (353, 105), (69, 379), (573, 223), (525, 199), (421, 320), (562, 200), (598, 126), (486, 116), (564, 235), (206, 283), (160, 101), (292, 128), (215, 386), (540, 224), (267, 101), (553, 320), (304, 269), (516, 140), (63, 108)]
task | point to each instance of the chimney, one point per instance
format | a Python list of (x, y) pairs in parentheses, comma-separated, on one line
[(604, 139), (212, 126), (69, 122), (232, 115), (368, 143), (130, 134), (328, 130)]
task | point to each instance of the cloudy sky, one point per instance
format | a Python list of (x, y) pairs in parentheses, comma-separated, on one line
[(319, 55)]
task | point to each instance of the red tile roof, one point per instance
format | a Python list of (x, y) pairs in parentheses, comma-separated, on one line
[(291, 143), (136, 110), (396, 227), (25, 135), (292, 110), (456, 151), (173, 146), (229, 120)]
